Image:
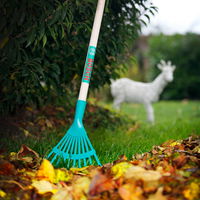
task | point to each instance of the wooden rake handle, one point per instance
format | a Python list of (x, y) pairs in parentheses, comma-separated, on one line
[(91, 51)]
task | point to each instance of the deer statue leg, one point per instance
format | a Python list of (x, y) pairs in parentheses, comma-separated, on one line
[(150, 112), (117, 102)]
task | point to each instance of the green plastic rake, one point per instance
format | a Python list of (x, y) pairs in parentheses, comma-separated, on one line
[(75, 148)]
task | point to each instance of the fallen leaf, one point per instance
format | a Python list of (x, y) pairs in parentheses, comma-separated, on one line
[(130, 192), (158, 195), (6, 168), (100, 183), (180, 161), (48, 123), (44, 186), (150, 177), (26, 132), (196, 149), (120, 169), (133, 128), (192, 192), (2, 194), (46, 171), (80, 171), (28, 156), (25, 151), (61, 109), (175, 143), (81, 188), (62, 175), (62, 194)]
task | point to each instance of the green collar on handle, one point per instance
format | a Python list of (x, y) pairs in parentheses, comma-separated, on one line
[(80, 110)]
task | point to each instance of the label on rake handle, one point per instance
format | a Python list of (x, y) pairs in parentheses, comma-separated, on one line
[(89, 64)]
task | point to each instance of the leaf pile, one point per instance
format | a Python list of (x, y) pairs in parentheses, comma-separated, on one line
[(167, 172)]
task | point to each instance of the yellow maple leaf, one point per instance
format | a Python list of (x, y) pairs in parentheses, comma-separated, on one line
[(2, 194), (192, 192), (46, 171), (120, 169), (62, 175), (175, 143), (81, 171)]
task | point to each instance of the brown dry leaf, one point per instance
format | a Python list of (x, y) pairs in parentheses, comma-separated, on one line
[(46, 171), (15, 185), (24, 151), (133, 128), (6, 168), (100, 183), (130, 192), (48, 123), (29, 156), (180, 161), (61, 109), (158, 195)]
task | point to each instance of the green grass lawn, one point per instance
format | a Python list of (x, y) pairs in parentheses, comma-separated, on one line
[(173, 120)]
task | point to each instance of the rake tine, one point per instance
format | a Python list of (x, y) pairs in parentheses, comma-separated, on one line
[(75, 151), (88, 141), (57, 161), (68, 145), (97, 160), (66, 139), (50, 154), (79, 151), (62, 140), (85, 142), (53, 159), (83, 150)]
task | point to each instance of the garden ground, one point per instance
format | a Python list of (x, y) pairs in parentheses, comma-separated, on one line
[(109, 135), (174, 120)]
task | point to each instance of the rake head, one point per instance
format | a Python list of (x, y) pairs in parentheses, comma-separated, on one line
[(75, 148)]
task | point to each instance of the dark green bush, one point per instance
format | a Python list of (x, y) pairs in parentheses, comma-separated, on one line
[(43, 46)]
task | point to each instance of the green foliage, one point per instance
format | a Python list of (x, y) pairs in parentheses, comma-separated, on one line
[(43, 46), (184, 52)]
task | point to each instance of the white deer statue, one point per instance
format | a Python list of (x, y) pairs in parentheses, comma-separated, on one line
[(126, 90)]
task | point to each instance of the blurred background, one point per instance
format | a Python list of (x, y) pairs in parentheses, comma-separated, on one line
[(42, 55), (171, 33)]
